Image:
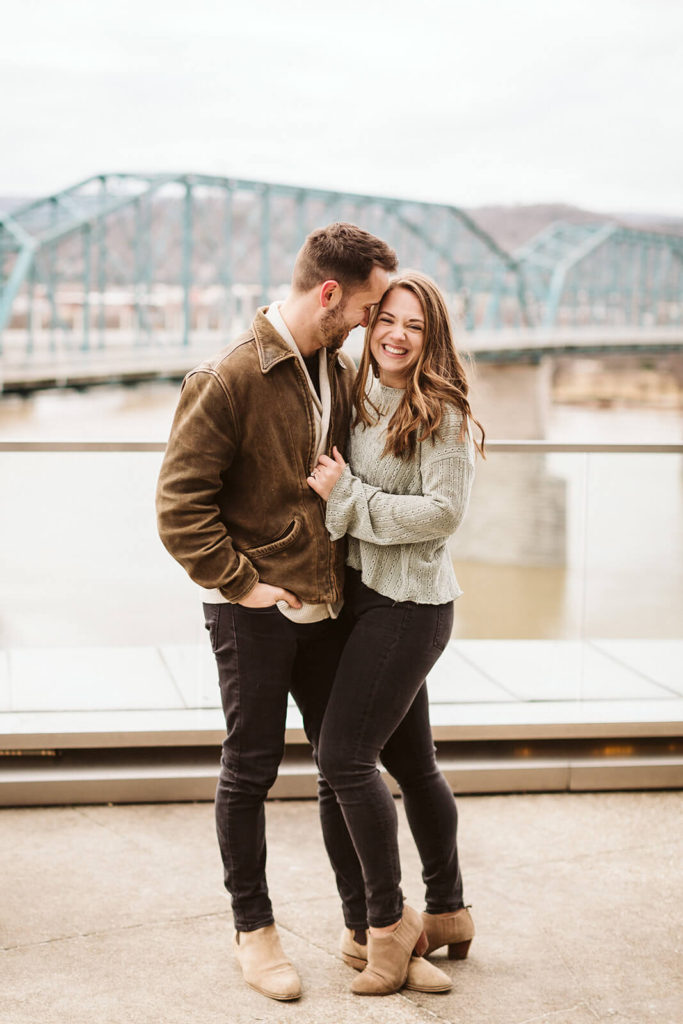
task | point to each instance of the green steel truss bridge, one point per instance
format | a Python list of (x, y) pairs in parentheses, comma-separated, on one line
[(149, 264), (602, 274)]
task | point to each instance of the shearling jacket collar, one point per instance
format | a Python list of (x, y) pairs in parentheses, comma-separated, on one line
[(272, 348)]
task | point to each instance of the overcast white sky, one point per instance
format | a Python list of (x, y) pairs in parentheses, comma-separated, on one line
[(468, 103)]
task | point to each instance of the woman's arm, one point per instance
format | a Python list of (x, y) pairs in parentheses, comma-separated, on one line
[(369, 514)]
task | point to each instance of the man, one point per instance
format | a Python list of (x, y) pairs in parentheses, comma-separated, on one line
[(235, 510)]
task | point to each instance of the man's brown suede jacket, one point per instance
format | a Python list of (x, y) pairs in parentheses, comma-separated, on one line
[(233, 505)]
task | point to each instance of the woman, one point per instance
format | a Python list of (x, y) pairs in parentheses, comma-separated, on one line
[(405, 491)]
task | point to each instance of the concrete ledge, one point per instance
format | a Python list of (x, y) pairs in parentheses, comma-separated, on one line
[(205, 726), (138, 724), (86, 777)]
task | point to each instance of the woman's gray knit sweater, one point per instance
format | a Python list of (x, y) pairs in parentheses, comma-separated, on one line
[(398, 514)]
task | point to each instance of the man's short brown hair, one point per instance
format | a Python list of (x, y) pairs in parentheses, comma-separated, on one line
[(343, 253)]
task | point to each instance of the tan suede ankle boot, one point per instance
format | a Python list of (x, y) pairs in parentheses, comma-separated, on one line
[(455, 930), (422, 976), (389, 957), (264, 964)]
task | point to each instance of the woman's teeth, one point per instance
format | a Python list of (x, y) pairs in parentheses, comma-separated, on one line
[(395, 351)]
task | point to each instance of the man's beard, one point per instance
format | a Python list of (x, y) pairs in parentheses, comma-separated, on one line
[(333, 328)]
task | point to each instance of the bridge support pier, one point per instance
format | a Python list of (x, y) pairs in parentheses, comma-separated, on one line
[(512, 400), (514, 536)]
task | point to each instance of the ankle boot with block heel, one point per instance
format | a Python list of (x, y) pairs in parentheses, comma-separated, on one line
[(389, 957), (455, 930), (422, 976)]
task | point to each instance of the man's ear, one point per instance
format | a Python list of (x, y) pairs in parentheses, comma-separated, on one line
[(330, 294)]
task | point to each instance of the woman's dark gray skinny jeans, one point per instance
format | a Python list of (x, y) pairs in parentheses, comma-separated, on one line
[(377, 707)]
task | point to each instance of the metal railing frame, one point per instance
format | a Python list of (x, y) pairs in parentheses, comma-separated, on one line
[(509, 447)]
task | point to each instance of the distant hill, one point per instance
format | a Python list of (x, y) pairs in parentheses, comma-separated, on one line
[(512, 226)]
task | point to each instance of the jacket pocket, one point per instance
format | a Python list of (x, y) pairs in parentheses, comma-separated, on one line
[(283, 540)]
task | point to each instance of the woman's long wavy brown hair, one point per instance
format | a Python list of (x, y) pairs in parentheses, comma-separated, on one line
[(438, 378)]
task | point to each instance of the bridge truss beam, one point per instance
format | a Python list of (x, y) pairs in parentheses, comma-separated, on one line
[(158, 259), (168, 253)]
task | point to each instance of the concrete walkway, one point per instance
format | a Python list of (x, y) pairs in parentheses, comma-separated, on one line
[(115, 915)]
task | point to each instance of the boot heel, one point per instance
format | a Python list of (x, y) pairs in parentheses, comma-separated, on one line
[(422, 945), (459, 950), (354, 961)]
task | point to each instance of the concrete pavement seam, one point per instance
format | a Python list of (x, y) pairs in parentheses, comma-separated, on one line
[(81, 810), (113, 931), (554, 1013)]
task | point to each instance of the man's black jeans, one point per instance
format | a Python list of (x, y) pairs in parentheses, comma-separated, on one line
[(262, 657)]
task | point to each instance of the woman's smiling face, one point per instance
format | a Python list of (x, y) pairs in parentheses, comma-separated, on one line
[(398, 337)]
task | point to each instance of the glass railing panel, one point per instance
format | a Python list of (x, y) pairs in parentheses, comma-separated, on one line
[(572, 567), (95, 614), (571, 563)]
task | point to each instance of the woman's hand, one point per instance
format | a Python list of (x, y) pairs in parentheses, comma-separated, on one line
[(326, 473)]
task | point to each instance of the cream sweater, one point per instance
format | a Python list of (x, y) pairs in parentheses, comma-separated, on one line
[(399, 514)]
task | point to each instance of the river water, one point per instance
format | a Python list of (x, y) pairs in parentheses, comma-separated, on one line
[(144, 412), (554, 547)]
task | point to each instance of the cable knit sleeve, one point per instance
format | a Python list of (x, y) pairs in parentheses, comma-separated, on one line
[(364, 511)]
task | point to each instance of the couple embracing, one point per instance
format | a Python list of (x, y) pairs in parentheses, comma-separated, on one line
[(312, 504)]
